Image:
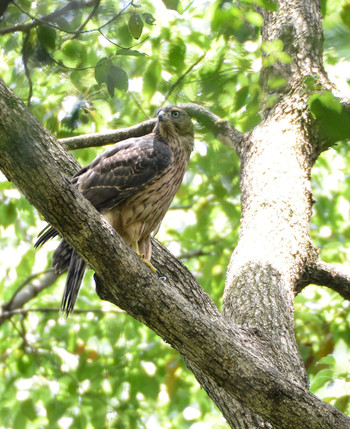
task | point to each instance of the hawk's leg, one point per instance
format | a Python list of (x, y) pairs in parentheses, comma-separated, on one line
[(135, 247)]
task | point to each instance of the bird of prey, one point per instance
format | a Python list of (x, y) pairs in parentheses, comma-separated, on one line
[(132, 185)]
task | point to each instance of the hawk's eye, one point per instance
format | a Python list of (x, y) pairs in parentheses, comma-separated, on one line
[(175, 114)]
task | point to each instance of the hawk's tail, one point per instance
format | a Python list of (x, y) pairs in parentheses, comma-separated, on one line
[(75, 275), (65, 258), (47, 233)]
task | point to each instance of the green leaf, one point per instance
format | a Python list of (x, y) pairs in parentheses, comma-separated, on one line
[(345, 14), (20, 421), (26, 365), (56, 409), (149, 19), (47, 36), (151, 78), (26, 263), (176, 54), (172, 4), (8, 214), (342, 403), (277, 82), (321, 379), (28, 409), (135, 25), (333, 121), (313, 83), (73, 53), (145, 384), (70, 48), (283, 57), (267, 4), (328, 100), (240, 97), (101, 69), (116, 79), (328, 360), (273, 46), (254, 18), (130, 52), (318, 383)]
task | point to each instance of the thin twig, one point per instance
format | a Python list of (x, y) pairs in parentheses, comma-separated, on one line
[(25, 59), (90, 16), (182, 77), (25, 311), (139, 105), (116, 16)]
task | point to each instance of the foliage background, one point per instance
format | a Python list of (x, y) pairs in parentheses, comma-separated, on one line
[(101, 362)]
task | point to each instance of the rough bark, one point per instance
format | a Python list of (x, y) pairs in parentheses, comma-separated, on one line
[(275, 251), (246, 358), (232, 362)]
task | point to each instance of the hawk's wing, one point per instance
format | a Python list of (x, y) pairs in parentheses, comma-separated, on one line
[(117, 173), (122, 170)]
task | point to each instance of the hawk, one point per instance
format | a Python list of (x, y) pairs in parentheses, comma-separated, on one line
[(132, 185)]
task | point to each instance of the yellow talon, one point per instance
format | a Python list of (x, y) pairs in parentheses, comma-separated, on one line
[(149, 265), (142, 257)]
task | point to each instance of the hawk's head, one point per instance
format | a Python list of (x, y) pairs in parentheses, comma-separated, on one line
[(173, 122)]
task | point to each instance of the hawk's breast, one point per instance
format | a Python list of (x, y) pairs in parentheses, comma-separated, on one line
[(148, 206)]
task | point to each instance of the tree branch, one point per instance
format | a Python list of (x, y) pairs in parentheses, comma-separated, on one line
[(24, 311), (26, 292), (107, 137), (90, 16), (72, 5), (182, 77), (221, 129), (232, 358), (334, 276)]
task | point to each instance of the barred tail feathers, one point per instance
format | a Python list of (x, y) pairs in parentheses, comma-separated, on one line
[(61, 257), (75, 275), (65, 258)]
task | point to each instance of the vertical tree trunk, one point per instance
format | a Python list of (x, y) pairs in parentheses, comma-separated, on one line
[(274, 246)]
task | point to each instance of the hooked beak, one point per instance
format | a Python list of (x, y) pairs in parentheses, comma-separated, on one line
[(161, 116)]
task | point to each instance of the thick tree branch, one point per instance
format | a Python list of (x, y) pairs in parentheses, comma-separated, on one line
[(231, 357), (336, 277)]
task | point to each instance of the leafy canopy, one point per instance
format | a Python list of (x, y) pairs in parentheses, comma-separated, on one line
[(126, 60)]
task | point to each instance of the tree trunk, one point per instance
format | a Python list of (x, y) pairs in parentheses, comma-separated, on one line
[(246, 358)]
